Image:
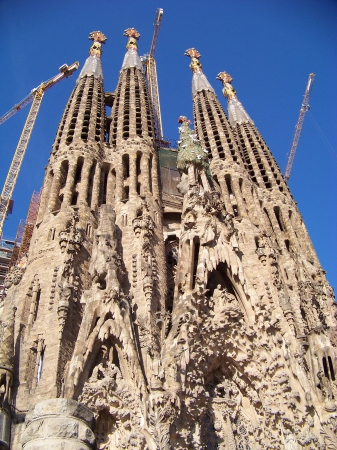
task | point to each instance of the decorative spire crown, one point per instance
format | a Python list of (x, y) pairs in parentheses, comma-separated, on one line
[(236, 111), (199, 80), (99, 38), (190, 151), (195, 65), (133, 36), (93, 66), (226, 80), (131, 58)]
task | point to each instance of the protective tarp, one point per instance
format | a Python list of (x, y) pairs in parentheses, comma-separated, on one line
[(170, 178), (168, 158), (131, 59), (237, 113), (92, 67), (200, 83), (169, 174)]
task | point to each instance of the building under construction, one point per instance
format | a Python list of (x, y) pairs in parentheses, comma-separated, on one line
[(169, 299)]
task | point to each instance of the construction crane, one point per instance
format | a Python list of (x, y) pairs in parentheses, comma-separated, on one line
[(35, 96), (150, 71), (298, 128)]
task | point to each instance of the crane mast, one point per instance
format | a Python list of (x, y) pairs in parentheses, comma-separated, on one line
[(150, 71), (298, 128), (36, 97)]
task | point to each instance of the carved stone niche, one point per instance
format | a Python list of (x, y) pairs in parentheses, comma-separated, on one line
[(112, 402), (59, 423)]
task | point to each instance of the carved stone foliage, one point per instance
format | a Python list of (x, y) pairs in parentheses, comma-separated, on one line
[(115, 407), (143, 226), (15, 273)]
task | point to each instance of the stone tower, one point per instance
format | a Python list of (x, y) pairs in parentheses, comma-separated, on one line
[(199, 319)]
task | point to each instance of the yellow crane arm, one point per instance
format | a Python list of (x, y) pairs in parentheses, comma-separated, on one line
[(37, 95), (152, 80), (298, 128)]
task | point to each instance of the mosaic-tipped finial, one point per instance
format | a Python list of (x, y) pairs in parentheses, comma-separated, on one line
[(99, 38), (226, 80), (133, 36), (183, 119), (195, 65)]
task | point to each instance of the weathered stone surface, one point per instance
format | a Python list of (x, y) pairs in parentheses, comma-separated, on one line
[(150, 321)]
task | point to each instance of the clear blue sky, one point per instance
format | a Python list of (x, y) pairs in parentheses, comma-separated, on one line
[(269, 48)]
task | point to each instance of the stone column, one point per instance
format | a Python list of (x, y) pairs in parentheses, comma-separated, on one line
[(238, 196), (119, 181), (225, 194), (145, 174), (133, 175), (96, 186), (110, 195), (84, 185), (69, 187), (55, 189), (58, 424), (155, 183), (276, 227)]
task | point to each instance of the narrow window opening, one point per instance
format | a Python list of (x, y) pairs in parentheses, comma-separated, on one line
[(150, 173), (79, 167), (37, 302), (278, 217), (195, 262), (229, 185), (287, 243), (40, 366), (126, 193), (88, 230), (325, 367), (74, 199), (91, 183), (126, 167), (331, 369)]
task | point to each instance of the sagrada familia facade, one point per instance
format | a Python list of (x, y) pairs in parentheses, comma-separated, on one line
[(147, 317)]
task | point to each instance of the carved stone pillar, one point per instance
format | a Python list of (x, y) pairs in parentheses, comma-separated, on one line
[(145, 174), (59, 423), (225, 193), (69, 187), (238, 196), (55, 189), (84, 185), (110, 196), (96, 186), (133, 175), (119, 182), (155, 183)]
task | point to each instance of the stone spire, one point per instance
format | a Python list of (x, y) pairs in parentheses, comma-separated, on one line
[(132, 114), (93, 65), (257, 157), (131, 58), (82, 126), (199, 81), (84, 117), (236, 111)]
